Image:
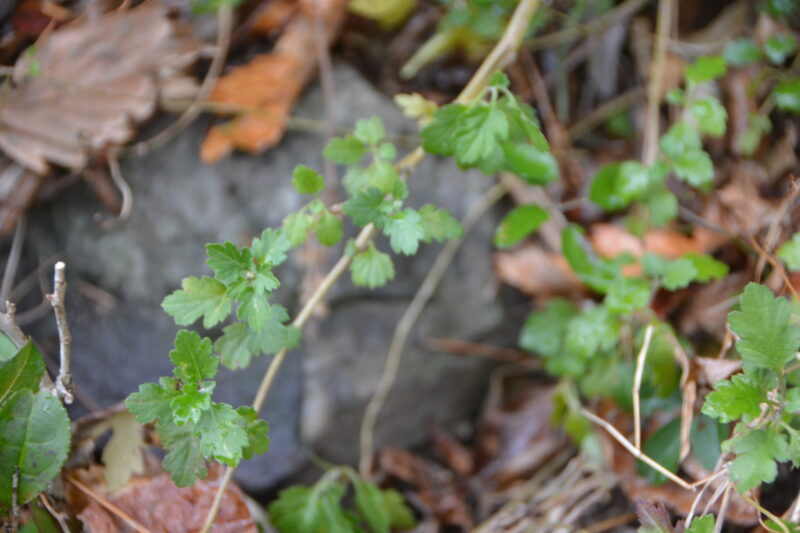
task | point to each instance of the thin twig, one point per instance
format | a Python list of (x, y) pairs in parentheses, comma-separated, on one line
[(224, 26), (13, 259), (650, 143), (498, 58), (64, 385), (767, 513), (59, 516), (110, 507), (723, 509), (409, 319), (637, 385), (603, 112), (125, 191)]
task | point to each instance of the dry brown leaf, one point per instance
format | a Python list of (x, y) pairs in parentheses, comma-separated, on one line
[(536, 272), (455, 454), (270, 84), (96, 78), (710, 370), (610, 240), (707, 309), (274, 16)]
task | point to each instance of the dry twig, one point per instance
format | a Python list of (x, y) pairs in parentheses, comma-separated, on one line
[(64, 386)]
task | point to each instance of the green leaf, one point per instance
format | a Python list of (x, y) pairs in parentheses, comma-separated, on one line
[(369, 502), (254, 309), (627, 294), (518, 224), (679, 274), (703, 524), (779, 48), (192, 357), (706, 68), (35, 438), (535, 166), (371, 268), (304, 510), (227, 261), (438, 136), (191, 402), (706, 436), (710, 116), (365, 208), (257, 432), (590, 332), (405, 230), (370, 131), (676, 96), (222, 434), (152, 402), (7, 348), (756, 453), (787, 95), (345, 150), (597, 273), (742, 51), (329, 229), (789, 253), (238, 343), (654, 265), (707, 267), (184, 460), (695, 168), (664, 446), (544, 331), (738, 397), (271, 247), (23, 372), (767, 339), (400, 516), (383, 176), (750, 140), (792, 404), (480, 128), (306, 180), (616, 185), (679, 139), (499, 79), (387, 151), (199, 297), (438, 224), (662, 206), (296, 227)]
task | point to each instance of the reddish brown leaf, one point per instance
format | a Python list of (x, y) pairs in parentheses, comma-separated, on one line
[(536, 272)]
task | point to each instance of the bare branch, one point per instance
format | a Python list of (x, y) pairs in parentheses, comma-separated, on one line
[(637, 385), (64, 386)]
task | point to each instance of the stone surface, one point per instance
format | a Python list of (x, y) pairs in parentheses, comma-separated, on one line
[(319, 396)]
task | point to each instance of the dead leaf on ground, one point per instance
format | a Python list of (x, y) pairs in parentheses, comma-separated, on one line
[(536, 272), (707, 309), (610, 240), (274, 16), (270, 84), (96, 78)]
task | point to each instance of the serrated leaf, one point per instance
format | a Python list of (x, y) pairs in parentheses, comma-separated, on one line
[(627, 294), (306, 180), (370, 131), (706, 68), (153, 400), (199, 297), (438, 224), (254, 309), (404, 230), (678, 274), (767, 338), (738, 397), (543, 332), (789, 253), (707, 267), (616, 185), (371, 268), (694, 167), (679, 139), (653, 518), (534, 166), (779, 48), (787, 95), (257, 432), (438, 136), (710, 115), (310, 510), (191, 402), (369, 502), (518, 224), (756, 453), (192, 357), (365, 208), (24, 371), (591, 331), (227, 261), (742, 51), (184, 460), (592, 270), (35, 438), (296, 227), (345, 150), (383, 176), (703, 524), (238, 343), (222, 434), (478, 131), (271, 247)]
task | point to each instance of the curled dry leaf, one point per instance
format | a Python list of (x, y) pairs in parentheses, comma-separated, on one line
[(270, 84), (95, 79), (536, 272)]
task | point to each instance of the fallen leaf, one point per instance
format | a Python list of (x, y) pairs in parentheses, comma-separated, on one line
[(122, 454), (610, 240), (269, 85), (536, 272), (274, 16), (95, 79), (455, 454), (710, 370)]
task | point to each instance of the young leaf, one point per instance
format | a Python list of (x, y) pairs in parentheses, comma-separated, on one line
[(257, 432), (184, 460), (535, 166), (591, 331), (345, 150), (787, 95), (35, 438), (616, 185), (544, 331), (679, 274), (438, 224), (191, 402), (767, 338), (271, 247), (756, 453), (370, 131), (227, 261), (680, 138), (238, 343), (253, 309), (404, 230), (710, 116), (222, 434), (789, 253), (153, 401), (627, 294), (518, 224), (310, 510), (706, 68), (369, 501), (707, 267), (329, 229), (365, 208), (23, 371), (198, 297), (739, 397), (695, 168), (296, 227), (480, 128), (306, 180), (438, 136), (371, 268), (742, 51), (192, 357)]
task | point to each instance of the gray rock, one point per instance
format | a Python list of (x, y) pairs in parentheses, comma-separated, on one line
[(319, 396)]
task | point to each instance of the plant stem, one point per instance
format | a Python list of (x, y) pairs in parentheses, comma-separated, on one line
[(499, 57), (64, 385), (637, 385), (650, 142)]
